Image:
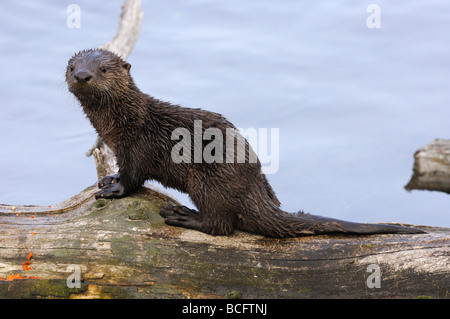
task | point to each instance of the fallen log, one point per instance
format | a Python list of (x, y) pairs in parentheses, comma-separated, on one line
[(432, 167), (123, 249)]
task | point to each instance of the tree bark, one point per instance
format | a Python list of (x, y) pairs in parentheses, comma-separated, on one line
[(432, 167)]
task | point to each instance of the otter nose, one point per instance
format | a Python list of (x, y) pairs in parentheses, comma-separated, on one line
[(83, 76)]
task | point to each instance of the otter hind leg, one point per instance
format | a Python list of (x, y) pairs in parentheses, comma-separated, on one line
[(181, 216)]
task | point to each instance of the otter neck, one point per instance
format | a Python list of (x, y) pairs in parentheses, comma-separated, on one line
[(111, 112)]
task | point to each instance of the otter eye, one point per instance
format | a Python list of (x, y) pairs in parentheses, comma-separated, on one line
[(103, 69)]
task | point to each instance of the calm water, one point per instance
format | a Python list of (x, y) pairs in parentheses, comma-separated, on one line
[(352, 104)]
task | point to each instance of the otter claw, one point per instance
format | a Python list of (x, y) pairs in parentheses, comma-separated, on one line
[(107, 180), (113, 190)]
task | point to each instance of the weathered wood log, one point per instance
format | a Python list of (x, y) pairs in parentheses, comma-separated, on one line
[(432, 167), (123, 249)]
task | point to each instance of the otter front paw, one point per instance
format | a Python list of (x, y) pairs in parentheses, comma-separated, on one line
[(115, 190), (107, 180)]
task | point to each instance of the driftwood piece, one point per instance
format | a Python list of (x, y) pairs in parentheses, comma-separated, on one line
[(432, 167), (123, 249), (128, 31)]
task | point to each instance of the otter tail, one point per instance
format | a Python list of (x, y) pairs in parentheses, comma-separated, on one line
[(321, 225), (285, 225)]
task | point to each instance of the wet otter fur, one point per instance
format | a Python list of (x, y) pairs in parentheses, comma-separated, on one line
[(138, 128)]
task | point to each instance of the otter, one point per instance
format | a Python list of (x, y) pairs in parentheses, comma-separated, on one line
[(229, 195)]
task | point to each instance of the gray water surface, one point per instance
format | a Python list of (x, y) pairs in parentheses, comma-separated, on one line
[(352, 104)]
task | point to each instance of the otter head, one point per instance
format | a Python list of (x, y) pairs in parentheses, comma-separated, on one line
[(97, 72)]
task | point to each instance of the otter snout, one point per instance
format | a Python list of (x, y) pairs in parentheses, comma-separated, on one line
[(83, 76)]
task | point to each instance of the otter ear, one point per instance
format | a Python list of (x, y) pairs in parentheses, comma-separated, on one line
[(126, 66)]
